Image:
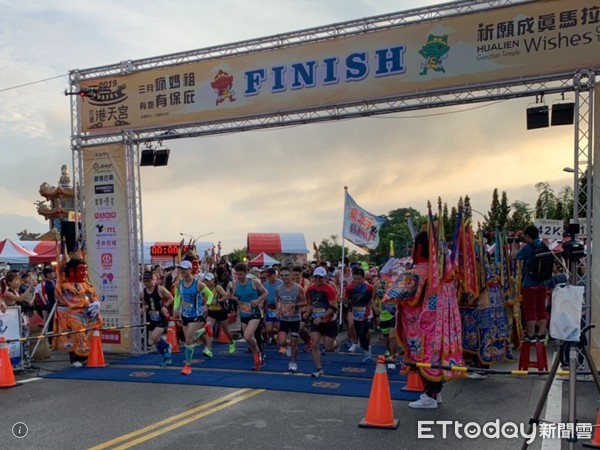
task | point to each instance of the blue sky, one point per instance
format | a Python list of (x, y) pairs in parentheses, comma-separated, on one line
[(285, 180)]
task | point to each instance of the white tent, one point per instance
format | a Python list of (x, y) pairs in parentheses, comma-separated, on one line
[(13, 253)]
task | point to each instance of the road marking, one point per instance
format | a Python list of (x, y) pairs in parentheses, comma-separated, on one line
[(553, 411), (28, 380), (221, 402)]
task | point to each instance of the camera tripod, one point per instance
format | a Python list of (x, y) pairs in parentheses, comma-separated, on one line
[(581, 345)]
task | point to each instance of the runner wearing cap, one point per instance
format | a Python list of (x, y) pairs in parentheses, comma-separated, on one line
[(217, 311), (359, 294), (194, 296), (322, 307), (157, 300)]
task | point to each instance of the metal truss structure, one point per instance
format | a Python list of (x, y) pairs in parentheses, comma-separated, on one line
[(581, 83)]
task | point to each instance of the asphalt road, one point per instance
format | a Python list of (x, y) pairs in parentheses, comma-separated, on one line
[(68, 414)]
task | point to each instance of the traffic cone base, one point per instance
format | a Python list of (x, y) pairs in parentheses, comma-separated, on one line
[(7, 376), (379, 409), (414, 382), (96, 358), (172, 337), (223, 339), (595, 443)]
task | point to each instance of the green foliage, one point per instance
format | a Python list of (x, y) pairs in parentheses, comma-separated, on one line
[(331, 250), (238, 255)]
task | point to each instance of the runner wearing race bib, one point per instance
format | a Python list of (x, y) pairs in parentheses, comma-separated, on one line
[(157, 300), (359, 296), (290, 299)]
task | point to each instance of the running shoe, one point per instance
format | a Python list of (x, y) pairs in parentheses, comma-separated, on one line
[(232, 347), (293, 367), (318, 374), (353, 348), (209, 330), (167, 354), (207, 352), (165, 362), (424, 402), (187, 370), (368, 358), (257, 361), (282, 349)]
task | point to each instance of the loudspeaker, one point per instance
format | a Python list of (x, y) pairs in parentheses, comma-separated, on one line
[(537, 117), (67, 231), (563, 113), (148, 157), (162, 157), (573, 229)]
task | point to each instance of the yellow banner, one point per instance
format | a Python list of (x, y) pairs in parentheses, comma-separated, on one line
[(520, 41), (107, 239)]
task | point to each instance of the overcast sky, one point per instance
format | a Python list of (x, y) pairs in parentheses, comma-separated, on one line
[(286, 180)]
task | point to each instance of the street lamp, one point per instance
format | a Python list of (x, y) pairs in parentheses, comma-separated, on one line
[(194, 239), (406, 245), (568, 170)]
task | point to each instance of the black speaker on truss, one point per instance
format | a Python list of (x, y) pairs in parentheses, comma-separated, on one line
[(67, 231), (537, 117), (148, 157), (563, 114), (162, 157)]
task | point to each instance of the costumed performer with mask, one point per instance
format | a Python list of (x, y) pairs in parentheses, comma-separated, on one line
[(78, 308)]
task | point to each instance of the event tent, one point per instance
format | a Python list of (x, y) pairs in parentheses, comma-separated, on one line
[(45, 251), (13, 253), (277, 243), (263, 260)]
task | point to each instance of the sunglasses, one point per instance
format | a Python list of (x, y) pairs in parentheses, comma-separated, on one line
[(318, 277), (285, 274)]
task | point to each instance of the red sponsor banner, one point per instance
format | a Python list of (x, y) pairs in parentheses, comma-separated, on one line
[(110, 336)]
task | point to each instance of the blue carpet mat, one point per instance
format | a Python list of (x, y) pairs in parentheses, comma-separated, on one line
[(345, 373), (334, 364), (352, 387)]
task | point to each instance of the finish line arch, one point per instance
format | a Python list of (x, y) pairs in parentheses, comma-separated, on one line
[(464, 52)]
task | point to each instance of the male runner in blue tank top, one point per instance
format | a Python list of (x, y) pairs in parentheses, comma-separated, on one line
[(195, 296), (250, 295)]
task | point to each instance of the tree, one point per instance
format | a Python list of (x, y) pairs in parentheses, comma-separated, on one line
[(238, 255), (504, 211), (494, 214), (545, 204), (521, 216), (27, 236), (330, 250)]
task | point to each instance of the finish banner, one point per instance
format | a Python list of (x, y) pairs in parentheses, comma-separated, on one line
[(107, 239), (514, 42)]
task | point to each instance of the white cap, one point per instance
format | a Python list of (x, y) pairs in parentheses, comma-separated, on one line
[(209, 276), (185, 265), (320, 271)]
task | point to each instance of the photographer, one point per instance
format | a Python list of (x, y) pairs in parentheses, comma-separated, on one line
[(533, 292)]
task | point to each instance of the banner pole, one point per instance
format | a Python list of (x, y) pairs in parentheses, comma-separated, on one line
[(343, 254)]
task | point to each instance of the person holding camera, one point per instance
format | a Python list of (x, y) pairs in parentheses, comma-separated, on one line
[(533, 292)]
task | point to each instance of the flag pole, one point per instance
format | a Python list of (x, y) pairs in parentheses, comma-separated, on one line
[(343, 254)]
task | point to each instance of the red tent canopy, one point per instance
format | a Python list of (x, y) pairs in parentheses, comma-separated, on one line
[(46, 252)]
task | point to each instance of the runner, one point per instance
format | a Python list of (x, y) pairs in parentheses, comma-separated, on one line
[(298, 278), (194, 295), (250, 295), (322, 307), (386, 309), (271, 313), (347, 313), (359, 294), (217, 310), (157, 300), (290, 299)]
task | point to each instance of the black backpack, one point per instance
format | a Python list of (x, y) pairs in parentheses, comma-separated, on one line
[(542, 266)]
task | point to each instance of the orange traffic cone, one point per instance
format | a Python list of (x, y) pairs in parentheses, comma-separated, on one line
[(223, 339), (96, 358), (414, 382), (7, 377), (379, 410), (172, 337), (595, 443)]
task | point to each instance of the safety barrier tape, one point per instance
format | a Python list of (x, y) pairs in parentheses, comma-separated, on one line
[(486, 371), (67, 333)]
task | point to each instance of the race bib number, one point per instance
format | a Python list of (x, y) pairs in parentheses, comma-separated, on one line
[(359, 313), (245, 308), (187, 309), (389, 307), (318, 313), (272, 314), (288, 310), (154, 316)]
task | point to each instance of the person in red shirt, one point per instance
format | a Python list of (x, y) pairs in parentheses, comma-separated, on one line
[(321, 313)]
